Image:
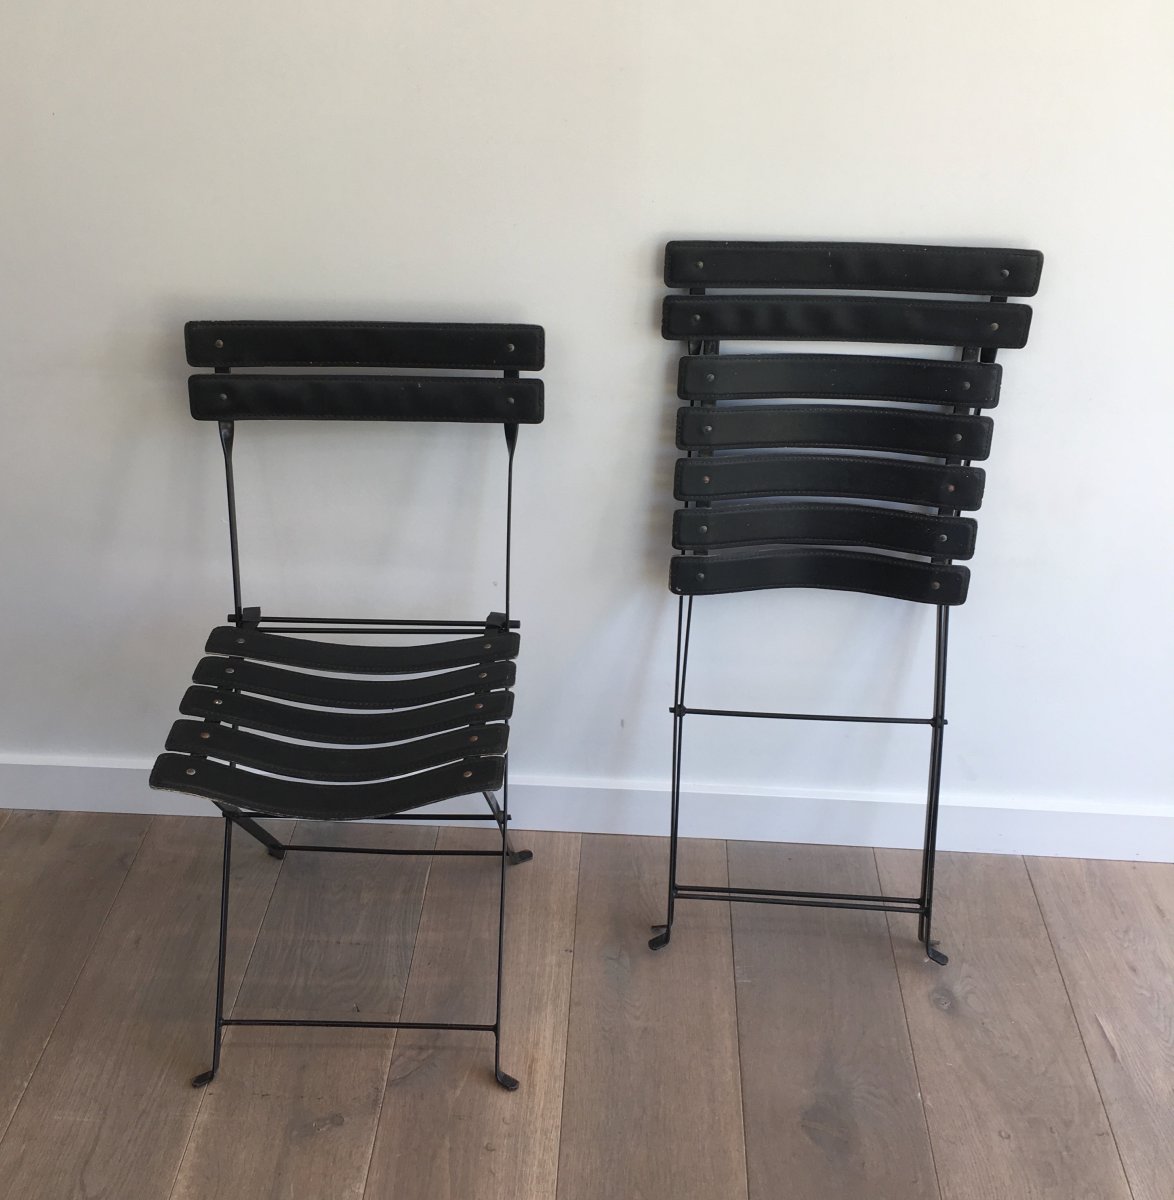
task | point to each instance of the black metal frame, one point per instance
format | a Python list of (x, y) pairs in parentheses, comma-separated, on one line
[(247, 821), (920, 905)]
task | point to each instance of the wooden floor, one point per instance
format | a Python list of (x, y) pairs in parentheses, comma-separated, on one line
[(768, 1053)]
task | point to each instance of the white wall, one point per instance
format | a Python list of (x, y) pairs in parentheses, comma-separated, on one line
[(526, 160)]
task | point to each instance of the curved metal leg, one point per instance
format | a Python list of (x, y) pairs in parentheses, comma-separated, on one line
[(206, 1077)]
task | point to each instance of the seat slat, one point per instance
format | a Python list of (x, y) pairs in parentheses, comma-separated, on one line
[(361, 660), (825, 524), (844, 427), (859, 266), (348, 728), (821, 475), (331, 764), (846, 319), (880, 575), (364, 344), (244, 791), (364, 398), (334, 692), (838, 377)]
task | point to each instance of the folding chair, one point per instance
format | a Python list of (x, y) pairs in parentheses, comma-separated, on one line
[(839, 494), (436, 725)]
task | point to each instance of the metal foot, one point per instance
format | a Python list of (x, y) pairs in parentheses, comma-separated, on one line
[(662, 938), (507, 1081), (935, 955), (203, 1079), (517, 857)]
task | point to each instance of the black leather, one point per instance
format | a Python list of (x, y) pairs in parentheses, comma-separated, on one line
[(854, 266), (708, 377), (841, 570), (728, 525), (364, 344), (352, 659), (865, 478), (846, 319), (344, 728), (237, 790), (847, 427), (364, 398)]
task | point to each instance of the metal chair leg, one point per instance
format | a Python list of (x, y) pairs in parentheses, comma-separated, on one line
[(206, 1077), (506, 1081), (515, 856)]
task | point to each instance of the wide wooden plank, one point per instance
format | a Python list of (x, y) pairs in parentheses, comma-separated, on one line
[(829, 1088), (652, 1105), (447, 1131), (109, 1108), (61, 873), (293, 1111), (1010, 1098), (1112, 924)]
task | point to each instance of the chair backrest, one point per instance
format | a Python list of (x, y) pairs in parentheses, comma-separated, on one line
[(863, 461), (463, 393)]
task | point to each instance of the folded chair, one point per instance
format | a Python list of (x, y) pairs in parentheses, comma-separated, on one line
[(836, 470), (281, 725)]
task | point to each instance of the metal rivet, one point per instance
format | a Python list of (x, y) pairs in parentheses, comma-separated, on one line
[(510, 347), (483, 675), (957, 437), (700, 574), (218, 344), (1005, 273), (950, 487), (240, 641), (478, 707), (709, 378), (699, 265), (966, 385), (487, 646), (230, 670), (702, 528), (706, 428), (473, 738), (942, 537), (224, 397), (935, 585), (994, 326), (704, 478), (218, 703), (468, 774), (190, 771), (695, 318), (510, 400), (205, 735)]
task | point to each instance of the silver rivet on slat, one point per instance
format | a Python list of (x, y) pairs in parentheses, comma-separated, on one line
[(510, 347), (473, 738), (942, 537), (699, 265), (219, 344), (710, 377), (950, 487), (703, 529), (230, 670), (224, 397), (994, 326), (704, 478), (509, 400), (240, 641), (966, 385), (218, 703), (695, 318), (483, 675), (957, 437), (487, 646), (706, 428), (700, 574), (478, 707), (468, 774), (190, 771), (1005, 273), (935, 585), (205, 735)]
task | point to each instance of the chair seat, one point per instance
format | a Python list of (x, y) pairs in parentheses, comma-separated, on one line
[(442, 731)]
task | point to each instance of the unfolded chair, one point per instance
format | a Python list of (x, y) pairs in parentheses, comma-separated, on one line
[(833, 470), (278, 724)]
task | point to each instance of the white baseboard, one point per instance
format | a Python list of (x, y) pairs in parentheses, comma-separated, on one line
[(1069, 830)]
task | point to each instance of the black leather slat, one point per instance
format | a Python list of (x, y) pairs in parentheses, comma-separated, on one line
[(821, 475), (361, 660), (330, 764), (845, 427), (364, 398), (838, 377), (847, 319), (243, 790), (334, 692), (880, 575), (363, 344), (859, 266), (825, 524), (354, 729)]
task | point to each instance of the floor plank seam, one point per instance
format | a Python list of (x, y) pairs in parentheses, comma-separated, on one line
[(235, 997), (73, 986), (1080, 1032), (737, 1025), (399, 1014), (909, 1035)]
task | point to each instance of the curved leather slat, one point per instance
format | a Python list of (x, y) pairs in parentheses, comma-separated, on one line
[(361, 660), (842, 427), (825, 524), (456, 346), (841, 570), (239, 790), (314, 725), (859, 266), (864, 478), (838, 377), (332, 692), (329, 764), (847, 319), (364, 398)]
